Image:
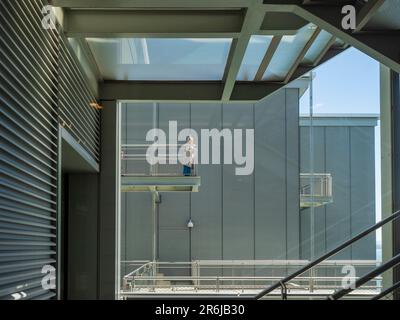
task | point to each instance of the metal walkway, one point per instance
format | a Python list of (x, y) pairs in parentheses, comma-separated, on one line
[(160, 183), (139, 175), (241, 279)]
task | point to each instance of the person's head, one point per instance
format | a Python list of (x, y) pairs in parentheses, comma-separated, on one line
[(189, 139)]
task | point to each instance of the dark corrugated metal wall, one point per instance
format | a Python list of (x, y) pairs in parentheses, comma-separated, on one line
[(41, 86)]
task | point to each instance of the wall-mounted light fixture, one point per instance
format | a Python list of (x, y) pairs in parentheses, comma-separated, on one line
[(96, 106)]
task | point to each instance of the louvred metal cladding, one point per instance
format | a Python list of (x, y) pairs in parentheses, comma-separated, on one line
[(41, 86)]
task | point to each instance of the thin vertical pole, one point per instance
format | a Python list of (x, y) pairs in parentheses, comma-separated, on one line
[(155, 199), (117, 159), (154, 218), (312, 211)]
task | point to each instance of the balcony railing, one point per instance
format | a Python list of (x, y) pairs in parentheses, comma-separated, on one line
[(140, 175), (135, 163), (240, 277), (315, 189)]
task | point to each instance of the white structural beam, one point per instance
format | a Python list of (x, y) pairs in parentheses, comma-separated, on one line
[(252, 23), (179, 23), (281, 23), (273, 46), (301, 55), (153, 23)]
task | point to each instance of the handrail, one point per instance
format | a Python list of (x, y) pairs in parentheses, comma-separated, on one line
[(327, 255), (137, 270), (387, 291), (164, 159), (144, 281), (230, 278), (146, 145), (249, 263), (369, 276)]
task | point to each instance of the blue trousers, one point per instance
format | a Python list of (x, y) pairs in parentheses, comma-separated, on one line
[(187, 171)]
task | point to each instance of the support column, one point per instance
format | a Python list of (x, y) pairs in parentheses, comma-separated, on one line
[(108, 231), (386, 168), (395, 104)]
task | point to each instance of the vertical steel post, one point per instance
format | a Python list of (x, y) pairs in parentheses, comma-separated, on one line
[(395, 103), (311, 141)]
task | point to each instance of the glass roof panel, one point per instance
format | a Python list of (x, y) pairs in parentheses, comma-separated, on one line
[(317, 47), (287, 52), (255, 52), (161, 59)]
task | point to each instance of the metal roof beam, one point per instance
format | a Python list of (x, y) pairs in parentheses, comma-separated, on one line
[(377, 45), (304, 69), (175, 23), (184, 91), (153, 23), (161, 90), (251, 25), (283, 2), (324, 51), (267, 57), (281, 23), (302, 54), (366, 12), (129, 4)]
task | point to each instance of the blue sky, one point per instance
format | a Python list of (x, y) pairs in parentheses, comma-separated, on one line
[(349, 83)]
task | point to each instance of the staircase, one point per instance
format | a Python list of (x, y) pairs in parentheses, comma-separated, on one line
[(345, 292)]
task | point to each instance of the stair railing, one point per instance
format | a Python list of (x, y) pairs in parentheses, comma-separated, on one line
[(282, 283), (364, 279)]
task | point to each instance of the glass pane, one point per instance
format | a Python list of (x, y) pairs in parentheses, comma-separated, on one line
[(317, 47), (161, 59), (255, 52), (315, 184), (287, 53)]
